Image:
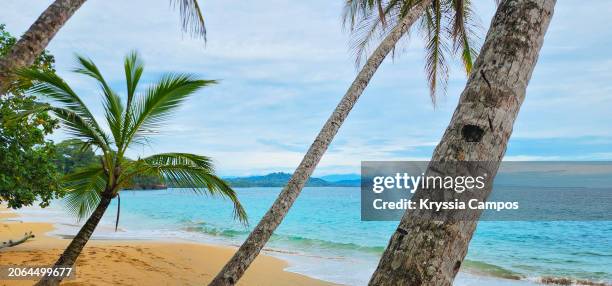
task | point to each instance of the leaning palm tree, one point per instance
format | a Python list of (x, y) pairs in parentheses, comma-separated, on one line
[(38, 36), (448, 27), (91, 190), (441, 21), (428, 247)]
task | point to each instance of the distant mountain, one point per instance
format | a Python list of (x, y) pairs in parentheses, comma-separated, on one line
[(341, 177), (281, 179)]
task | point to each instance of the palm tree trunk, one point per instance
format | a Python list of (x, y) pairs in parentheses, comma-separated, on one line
[(68, 258), (235, 268), (427, 251), (36, 39)]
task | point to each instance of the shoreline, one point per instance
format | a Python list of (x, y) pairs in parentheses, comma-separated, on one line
[(288, 267), (271, 263), (136, 262)]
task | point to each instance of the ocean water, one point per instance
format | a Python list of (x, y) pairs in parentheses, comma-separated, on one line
[(323, 237)]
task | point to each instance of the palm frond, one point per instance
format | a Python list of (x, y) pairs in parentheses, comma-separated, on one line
[(80, 128), (51, 86), (354, 11), (74, 123), (459, 17), (381, 12), (160, 101), (463, 32), (83, 190), (436, 48), (406, 6), (170, 159), (216, 185), (444, 24), (192, 19), (370, 20), (113, 108), (188, 171), (37, 107), (367, 30), (133, 67)]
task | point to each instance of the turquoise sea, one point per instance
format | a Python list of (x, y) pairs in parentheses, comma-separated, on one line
[(323, 236)]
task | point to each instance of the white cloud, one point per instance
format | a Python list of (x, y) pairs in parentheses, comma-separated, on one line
[(285, 64)]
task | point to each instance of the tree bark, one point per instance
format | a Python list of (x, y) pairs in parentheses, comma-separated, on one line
[(429, 250), (235, 268), (70, 255), (36, 39)]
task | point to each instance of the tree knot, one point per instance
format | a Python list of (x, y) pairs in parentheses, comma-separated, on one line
[(472, 133)]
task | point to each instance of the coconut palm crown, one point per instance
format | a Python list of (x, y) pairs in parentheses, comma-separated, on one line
[(449, 27), (131, 120)]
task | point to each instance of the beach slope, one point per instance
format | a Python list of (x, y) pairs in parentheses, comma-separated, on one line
[(118, 262)]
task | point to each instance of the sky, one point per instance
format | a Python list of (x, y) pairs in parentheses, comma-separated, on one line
[(283, 66)]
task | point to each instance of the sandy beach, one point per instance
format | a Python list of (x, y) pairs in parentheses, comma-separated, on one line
[(122, 262)]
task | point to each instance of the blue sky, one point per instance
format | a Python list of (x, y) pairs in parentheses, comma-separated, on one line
[(283, 66)]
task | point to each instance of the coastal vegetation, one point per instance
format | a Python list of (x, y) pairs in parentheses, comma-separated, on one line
[(131, 119), (27, 172), (23, 141), (72, 156)]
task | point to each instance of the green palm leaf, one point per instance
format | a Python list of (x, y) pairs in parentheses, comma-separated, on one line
[(159, 102), (143, 113), (50, 85), (75, 125), (188, 171), (133, 68), (80, 128), (83, 190), (113, 108), (73, 112)]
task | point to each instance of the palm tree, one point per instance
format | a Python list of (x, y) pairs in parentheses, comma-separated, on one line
[(404, 14), (38, 36), (447, 26), (428, 248), (90, 190)]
